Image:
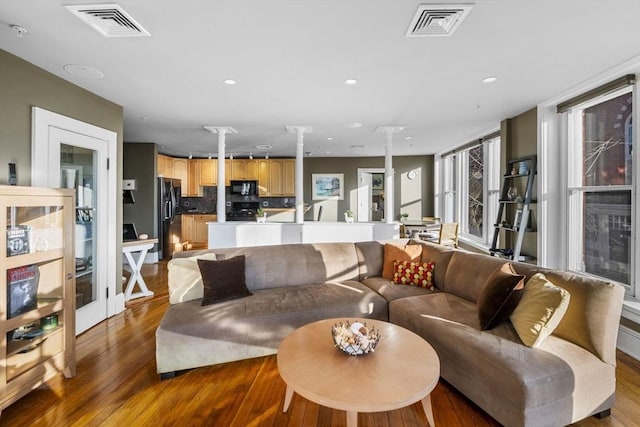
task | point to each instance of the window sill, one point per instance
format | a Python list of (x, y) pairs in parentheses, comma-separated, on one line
[(475, 245), (631, 309)]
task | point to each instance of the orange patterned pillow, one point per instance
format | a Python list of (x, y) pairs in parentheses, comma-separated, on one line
[(414, 274)]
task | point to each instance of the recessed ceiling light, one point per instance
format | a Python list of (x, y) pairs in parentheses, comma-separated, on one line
[(230, 82), (263, 147), (83, 71), (351, 81), (407, 138), (489, 79), (329, 139), (353, 125)]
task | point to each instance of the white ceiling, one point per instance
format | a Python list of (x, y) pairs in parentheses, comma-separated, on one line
[(291, 59)]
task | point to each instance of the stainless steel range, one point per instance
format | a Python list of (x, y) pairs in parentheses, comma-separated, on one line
[(243, 211)]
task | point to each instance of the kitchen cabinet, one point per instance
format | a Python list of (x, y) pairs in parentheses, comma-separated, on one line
[(245, 169), (275, 177), (165, 166), (195, 188), (228, 171), (37, 289), (288, 177), (208, 171), (181, 172), (263, 178), (194, 227)]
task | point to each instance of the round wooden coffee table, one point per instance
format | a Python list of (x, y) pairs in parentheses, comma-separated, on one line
[(403, 370)]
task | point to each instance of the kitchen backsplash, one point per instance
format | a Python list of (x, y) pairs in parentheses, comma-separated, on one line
[(207, 203)]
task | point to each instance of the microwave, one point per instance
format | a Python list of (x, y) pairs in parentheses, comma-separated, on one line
[(244, 188)]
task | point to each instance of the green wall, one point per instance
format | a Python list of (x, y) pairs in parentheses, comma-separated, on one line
[(519, 138), (22, 86), (405, 190), (139, 163)]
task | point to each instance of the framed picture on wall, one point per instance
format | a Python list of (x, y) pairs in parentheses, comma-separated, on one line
[(377, 181), (327, 186)]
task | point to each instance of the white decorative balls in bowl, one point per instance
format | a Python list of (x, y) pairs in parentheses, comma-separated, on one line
[(355, 338)]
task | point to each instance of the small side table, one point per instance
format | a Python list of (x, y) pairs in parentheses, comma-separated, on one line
[(131, 250)]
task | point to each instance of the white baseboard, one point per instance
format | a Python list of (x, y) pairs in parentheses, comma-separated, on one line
[(629, 341)]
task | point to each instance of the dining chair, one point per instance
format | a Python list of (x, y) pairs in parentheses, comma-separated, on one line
[(447, 236)]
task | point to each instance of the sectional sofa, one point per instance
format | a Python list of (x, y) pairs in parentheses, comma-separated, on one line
[(569, 376)]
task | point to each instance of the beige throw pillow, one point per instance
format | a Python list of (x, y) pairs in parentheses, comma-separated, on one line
[(541, 309), (184, 278)]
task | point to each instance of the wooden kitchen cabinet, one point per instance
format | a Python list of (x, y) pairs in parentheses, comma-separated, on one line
[(244, 169), (200, 227), (228, 171), (187, 228), (275, 177), (288, 177), (263, 178), (208, 171), (165, 166), (181, 172), (195, 188)]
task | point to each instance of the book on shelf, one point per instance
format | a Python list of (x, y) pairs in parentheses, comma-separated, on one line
[(22, 289), (18, 237)]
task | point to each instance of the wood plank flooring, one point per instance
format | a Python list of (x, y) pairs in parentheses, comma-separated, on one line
[(117, 385)]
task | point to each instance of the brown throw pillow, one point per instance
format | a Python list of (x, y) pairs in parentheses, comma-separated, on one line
[(499, 296), (393, 253), (223, 280)]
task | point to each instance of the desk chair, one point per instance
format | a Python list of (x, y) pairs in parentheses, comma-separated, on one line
[(448, 235)]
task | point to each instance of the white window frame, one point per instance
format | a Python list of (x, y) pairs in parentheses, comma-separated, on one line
[(575, 192), (453, 191)]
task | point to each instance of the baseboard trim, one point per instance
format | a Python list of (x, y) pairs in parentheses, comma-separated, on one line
[(629, 341)]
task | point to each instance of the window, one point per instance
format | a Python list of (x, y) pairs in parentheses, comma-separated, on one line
[(470, 189), (600, 182)]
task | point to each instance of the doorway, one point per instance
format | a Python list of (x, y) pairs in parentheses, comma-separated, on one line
[(72, 154), (370, 194)]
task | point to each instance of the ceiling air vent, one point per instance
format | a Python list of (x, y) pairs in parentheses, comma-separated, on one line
[(432, 20), (110, 20)]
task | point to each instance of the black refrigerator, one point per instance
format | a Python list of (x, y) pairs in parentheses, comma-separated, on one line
[(169, 218)]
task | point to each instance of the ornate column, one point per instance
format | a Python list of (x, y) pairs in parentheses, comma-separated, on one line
[(299, 188), (222, 132), (388, 170)]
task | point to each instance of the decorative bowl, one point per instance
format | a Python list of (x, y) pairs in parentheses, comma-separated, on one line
[(355, 338)]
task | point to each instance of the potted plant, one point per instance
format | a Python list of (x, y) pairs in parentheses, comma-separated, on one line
[(404, 216), (261, 215), (348, 216)]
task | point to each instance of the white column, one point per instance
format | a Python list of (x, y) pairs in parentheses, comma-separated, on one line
[(388, 171), (221, 202), (299, 188), (388, 180)]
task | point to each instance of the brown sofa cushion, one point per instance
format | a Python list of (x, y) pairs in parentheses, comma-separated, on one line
[(223, 280), (394, 253), (499, 296)]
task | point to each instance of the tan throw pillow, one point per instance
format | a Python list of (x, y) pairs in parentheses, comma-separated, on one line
[(223, 280), (541, 309), (499, 296), (393, 253), (184, 278)]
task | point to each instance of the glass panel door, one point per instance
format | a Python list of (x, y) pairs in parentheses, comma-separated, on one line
[(77, 171)]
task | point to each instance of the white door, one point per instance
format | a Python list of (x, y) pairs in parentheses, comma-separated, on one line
[(370, 194), (77, 156)]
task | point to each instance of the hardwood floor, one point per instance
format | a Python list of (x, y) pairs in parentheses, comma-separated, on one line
[(117, 385)]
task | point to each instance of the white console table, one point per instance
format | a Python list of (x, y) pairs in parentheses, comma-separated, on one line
[(134, 252)]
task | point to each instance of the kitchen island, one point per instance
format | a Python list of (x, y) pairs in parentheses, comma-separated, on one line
[(237, 234)]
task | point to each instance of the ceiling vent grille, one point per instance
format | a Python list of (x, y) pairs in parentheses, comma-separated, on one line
[(433, 20), (110, 20)]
